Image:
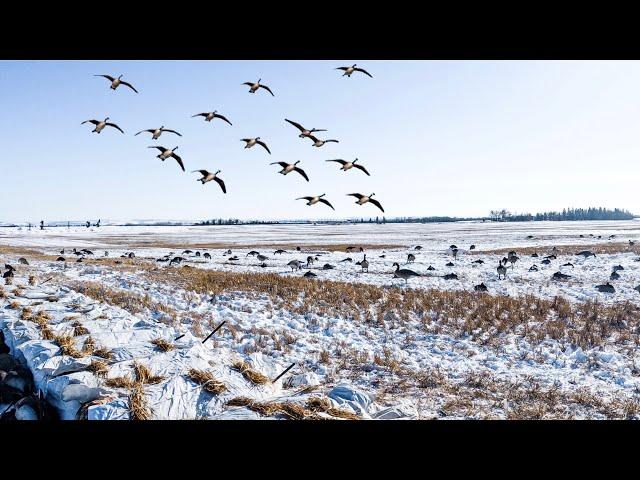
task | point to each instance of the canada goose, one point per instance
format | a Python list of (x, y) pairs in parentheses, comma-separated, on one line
[(156, 132), (99, 125), (586, 254), (631, 243), (614, 276), (228, 252), (176, 260), (208, 176), (454, 252), (207, 255), (60, 259), (23, 261), (502, 271), (617, 268), (116, 82), (348, 71), (551, 257), (453, 247), (310, 261), (533, 268), (411, 258), (480, 288), (546, 261), (450, 276), (262, 258), (166, 153), (349, 165), (534, 255), (79, 260), (382, 256), (328, 266), (9, 267), (187, 252), (365, 264), (253, 87), (319, 143), (279, 252), (253, 252), (290, 167), (310, 275), (106, 254), (131, 255), (449, 264), (304, 132), (513, 259), (479, 261), (362, 199), (250, 142), (233, 259), (569, 264), (404, 273), (316, 199), (473, 247), (86, 251), (208, 116), (605, 288), (430, 268), (197, 254), (560, 276), (418, 247), (348, 259), (637, 288), (295, 265)]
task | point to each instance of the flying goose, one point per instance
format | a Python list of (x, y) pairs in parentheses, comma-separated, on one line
[(362, 199), (349, 165), (316, 199), (250, 142), (255, 86), (304, 132), (157, 132), (99, 125), (208, 116), (319, 143), (208, 176), (404, 273), (348, 71), (116, 82), (290, 167), (166, 153)]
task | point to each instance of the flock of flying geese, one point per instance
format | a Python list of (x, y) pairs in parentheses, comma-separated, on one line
[(286, 168)]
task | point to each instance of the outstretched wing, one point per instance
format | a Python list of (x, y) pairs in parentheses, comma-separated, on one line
[(150, 131), (267, 89), (361, 168), (337, 160), (222, 117), (358, 69), (297, 125), (326, 202), (108, 77), (246, 140), (221, 183), (162, 149), (202, 172), (171, 131), (343, 68), (203, 114), (376, 203), (357, 195), (264, 145), (179, 160), (329, 141), (313, 138), (114, 126), (95, 122), (301, 172), (305, 198), (128, 85), (248, 83), (282, 164)]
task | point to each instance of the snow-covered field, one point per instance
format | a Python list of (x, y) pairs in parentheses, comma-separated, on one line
[(408, 364)]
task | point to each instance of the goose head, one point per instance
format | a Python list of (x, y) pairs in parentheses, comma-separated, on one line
[(353, 66), (258, 82), (257, 138), (371, 195), (215, 111), (174, 148), (354, 161), (119, 77), (297, 162), (395, 264), (217, 172), (161, 127), (106, 119), (320, 196)]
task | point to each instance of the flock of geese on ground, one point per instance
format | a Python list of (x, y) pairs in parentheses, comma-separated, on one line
[(286, 168)]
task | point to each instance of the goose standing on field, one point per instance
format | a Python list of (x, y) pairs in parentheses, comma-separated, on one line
[(319, 143), (349, 165), (208, 176), (208, 116), (304, 132), (250, 142), (116, 82), (502, 271), (316, 199), (404, 273), (290, 167), (411, 258), (362, 199), (253, 87), (365, 264), (348, 71), (606, 288), (156, 132), (166, 153), (99, 125), (294, 265)]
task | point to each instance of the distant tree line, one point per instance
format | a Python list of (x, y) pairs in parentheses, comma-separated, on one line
[(566, 214)]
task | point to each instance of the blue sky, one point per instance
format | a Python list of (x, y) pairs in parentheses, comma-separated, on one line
[(439, 138)]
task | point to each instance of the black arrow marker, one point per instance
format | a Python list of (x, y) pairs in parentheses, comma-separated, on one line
[(286, 370), (214, 331)]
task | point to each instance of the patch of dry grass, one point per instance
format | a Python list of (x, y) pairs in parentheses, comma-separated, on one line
[(207, 381), (68, 347), (99, 367), (79, 329), (288, 410), (317, 404), (103, 352), (250, 374), (138, 407), (162, 344), (597, 248)]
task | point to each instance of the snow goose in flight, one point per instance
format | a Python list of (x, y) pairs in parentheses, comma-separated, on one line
[(250, 142), (208, 176), (116, 82), (316, 199), (156, 132), (99, 125), (304, 132), (253, 87), (349, 165), (208, 116), (166, 153), (362, 199), (348, 71), (290, 167)]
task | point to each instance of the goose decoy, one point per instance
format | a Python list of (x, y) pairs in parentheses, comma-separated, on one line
[(24, 261), (502, 270), (551, 257), (430, 268), (348, 71), (316, 199), (176, 260), (631, 243), (365, 264), (546, 261), (348, 259), (262, 258), (614, 276), (116, 82), (279, 252), (472, 247), (99, 125), (382, 256), (417, 247), (617, 268), (295, 265), (250, 142), (208, 176), (252, 253), (449, 264), (310, 261), (318, 143), (349, 165), (533, 268), (60, 259), (637, 288), (208, 116), (560, 276), (328, 266), (187, 252), (404, 273), (197, 254), (156, 132), (480, 288), (362, 199), (450, 276), (479, 261), (253, 87), (513, 259), (605, 288), (411, 258), (233, 259), (453, 247), (207, 255), (304, 132), (166, 153), (290, 167), (569, 264), (131, 255), (310, 275), (534, 255)]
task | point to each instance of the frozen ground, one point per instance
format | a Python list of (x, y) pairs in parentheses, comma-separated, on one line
[(387, 369)]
